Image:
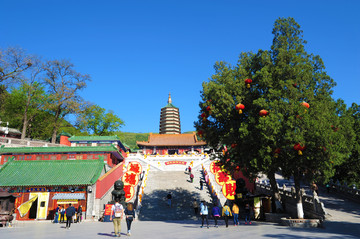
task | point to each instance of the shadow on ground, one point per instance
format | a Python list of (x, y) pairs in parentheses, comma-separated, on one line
[(155, 208)]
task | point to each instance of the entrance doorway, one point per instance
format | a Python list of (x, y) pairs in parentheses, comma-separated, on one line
[(33, 210)]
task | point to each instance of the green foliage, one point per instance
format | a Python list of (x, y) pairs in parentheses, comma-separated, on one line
[(131, 138), (94, 120), (283, 78)]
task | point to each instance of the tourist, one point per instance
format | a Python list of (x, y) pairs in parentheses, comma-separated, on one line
[(56, 214), (201, 184), (216, 214), (191, 177), (79, 214), (130, 216), (117, 210), (235, 211), (315, 188), (247, 214), (189, 170), (169, 197), (62, 214), (70, 212), (204, 214), (195, 206), (226, 213)]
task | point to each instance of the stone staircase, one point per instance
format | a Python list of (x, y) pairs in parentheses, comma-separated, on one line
[(154, 204)]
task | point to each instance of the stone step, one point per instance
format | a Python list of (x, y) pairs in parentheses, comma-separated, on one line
[(154, 204)]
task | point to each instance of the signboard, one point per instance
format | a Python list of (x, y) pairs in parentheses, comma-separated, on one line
[(67, 201), (228, 189), (175, 162), (129, 192), (130, 178), (221, 177), (134, 167), (214, 168)]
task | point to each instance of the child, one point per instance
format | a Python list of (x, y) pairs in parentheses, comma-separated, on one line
[(247, 213)]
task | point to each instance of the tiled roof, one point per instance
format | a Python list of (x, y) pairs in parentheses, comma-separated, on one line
[(94, 138), (170, 106), (50, 172), (7, 150), (172, 140)]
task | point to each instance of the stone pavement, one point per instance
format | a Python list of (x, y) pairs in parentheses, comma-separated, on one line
[(173, 229)]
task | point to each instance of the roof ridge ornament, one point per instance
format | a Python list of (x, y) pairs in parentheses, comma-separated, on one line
[(169, 99)]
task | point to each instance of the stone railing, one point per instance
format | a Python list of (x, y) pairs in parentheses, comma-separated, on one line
[(13, 142), (345, 191), (312, 206)]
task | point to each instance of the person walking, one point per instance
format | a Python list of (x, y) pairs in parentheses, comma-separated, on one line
[(204, 214), (235, 211), (56, 214), (79, 214), (62, 214), (195, 205), (117, 210), (226, 213), (189, 170), (169, 197), (70, 212), (216, 214), (201, 184), (191, 177), (130, 216), (247, 214)]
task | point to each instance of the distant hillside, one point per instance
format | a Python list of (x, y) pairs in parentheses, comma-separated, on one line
[(130, 138)]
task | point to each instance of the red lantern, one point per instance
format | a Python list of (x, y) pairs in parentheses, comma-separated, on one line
[(299, 148), (233, 146), (200, 133), (277, 152), (305, 104), (240, 107), (263, 113), (208, 108), (203, 115), (248, 82)]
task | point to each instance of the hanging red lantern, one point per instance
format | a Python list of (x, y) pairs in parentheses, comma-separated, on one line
[(200, 133), (233, 146), (248, 82), (204, 116), (240, 107), (299, 148), (305, 104), (263, 113), (208, 108), (277, 152)]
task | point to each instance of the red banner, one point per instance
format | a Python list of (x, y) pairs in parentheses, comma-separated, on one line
[(175, 162), (108, 209)]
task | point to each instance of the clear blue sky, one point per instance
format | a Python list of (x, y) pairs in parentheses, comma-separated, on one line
[(138, 51)]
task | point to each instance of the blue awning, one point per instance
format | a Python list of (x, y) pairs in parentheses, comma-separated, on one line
[(78, 196)]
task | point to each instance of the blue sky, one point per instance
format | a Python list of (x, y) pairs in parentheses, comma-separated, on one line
[(138, 51)]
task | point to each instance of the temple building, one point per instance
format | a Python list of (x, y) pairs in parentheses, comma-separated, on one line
[(82, 172), (170, 119), (170, 140)]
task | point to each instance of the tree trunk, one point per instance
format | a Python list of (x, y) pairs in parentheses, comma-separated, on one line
[(25, 121), (299, 206), (276, 193)]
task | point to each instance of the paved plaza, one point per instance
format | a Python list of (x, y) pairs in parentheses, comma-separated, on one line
[(177, 229)]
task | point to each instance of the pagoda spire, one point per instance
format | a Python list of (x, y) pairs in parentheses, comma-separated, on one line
[(169, 99)]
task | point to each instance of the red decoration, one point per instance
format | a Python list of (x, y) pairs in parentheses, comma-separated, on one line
[(248, 82), (277, 152), (208, 108), (130, 178), (240, 107), (233, 146), (263, 113), (200, 133), (305, 104), (214, 167), (228, 189), (134, 167), (299, 148)]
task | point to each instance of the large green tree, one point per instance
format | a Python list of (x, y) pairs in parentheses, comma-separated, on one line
[(95, 120), (288, 112), (64, 85)]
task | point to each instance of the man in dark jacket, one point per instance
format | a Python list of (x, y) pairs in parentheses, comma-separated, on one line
[(70, 212)]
